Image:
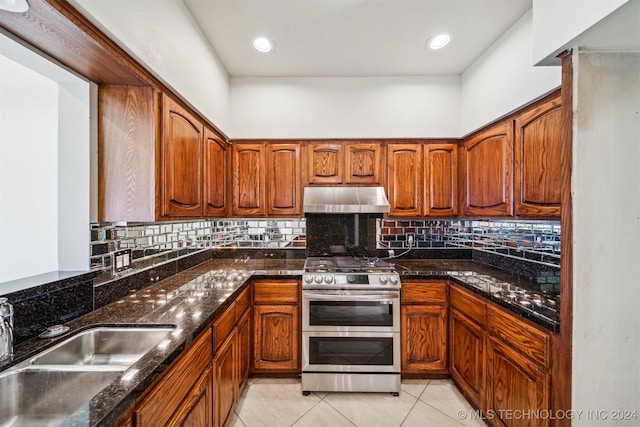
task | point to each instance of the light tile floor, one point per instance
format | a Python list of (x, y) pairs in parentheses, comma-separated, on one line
[(271, 402)]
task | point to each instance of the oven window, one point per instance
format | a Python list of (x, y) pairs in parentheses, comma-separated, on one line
[(350, 313), (351, 351)]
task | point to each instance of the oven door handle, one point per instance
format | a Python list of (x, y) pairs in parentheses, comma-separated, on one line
[(350, 297)]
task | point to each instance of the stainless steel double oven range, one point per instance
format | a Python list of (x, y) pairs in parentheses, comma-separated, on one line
[(350, 325)]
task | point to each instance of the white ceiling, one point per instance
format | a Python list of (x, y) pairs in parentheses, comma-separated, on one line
[(352, 37)]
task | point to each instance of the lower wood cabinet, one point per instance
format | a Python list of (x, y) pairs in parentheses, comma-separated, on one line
[(196, 409), (172, 393), (276, 326), (424, 328), (515, 385), (225, 380), (466, 356), (500, 361), (244, 349)]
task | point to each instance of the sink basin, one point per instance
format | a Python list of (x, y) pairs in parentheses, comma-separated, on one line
[(112, 346), (34, 397)]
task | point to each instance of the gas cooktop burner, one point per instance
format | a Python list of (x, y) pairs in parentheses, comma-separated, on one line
[(347, 265)]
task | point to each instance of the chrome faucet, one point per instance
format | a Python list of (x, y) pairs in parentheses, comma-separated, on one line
[(6, 330)]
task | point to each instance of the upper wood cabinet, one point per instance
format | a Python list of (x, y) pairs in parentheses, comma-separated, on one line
[(215, 174), (181, 161), (422, 179), (537, 160), (363, 163), (488, 171), (283, 179), (126, 153), (441, 179), (405, 185), (266, 180), (344, 163), (325, 163), (248, 180)]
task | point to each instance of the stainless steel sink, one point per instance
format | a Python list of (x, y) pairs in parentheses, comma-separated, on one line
[(35, 397), (113, 346)]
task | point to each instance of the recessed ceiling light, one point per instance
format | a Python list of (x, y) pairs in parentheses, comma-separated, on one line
[(439, 41), (18, 6), (263, 44)]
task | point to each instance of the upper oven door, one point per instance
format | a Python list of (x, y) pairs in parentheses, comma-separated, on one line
[(355, 311)]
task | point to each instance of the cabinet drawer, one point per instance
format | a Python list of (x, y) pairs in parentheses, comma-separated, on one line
[(243, 301), (272, 292), (527, 339), (223, 325), (424, 292), (165, 397), (472, 307)]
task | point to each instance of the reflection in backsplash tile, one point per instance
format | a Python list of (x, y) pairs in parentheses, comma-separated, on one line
[(153, 243), (535, 241)]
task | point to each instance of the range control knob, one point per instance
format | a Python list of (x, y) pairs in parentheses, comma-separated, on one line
[(383, 279), (393, 280), (328, 278), (308, 279), (317, 278)]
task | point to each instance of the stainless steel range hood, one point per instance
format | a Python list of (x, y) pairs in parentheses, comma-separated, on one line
[(345, 200)]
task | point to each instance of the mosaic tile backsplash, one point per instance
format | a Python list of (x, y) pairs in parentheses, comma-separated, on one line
[(113, 244)]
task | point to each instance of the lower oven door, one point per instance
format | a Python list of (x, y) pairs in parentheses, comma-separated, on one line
[(351, 352), (350, 311)]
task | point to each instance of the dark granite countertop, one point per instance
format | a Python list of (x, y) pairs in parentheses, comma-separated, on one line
[(192, 299)]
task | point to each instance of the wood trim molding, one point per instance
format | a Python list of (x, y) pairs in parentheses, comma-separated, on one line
[(562, 365)]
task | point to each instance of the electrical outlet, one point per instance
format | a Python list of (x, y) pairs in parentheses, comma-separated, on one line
[(410, 239)]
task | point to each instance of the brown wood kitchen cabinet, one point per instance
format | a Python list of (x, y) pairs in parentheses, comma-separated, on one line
[(422, 179), (423, 327), (181, 161), (467, 342), (276, 330), (339, 162), (518, 362), (537, 159), (178, 394), (488, 168), (215, 174), (266, 180)]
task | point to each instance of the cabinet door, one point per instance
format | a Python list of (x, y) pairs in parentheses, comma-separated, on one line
[(424, 338), (225, 381), (404, 178), (283, 179), (197, 408), (244, 349), (363, 163), (488, 168), (276, 341), (181, 161), (466, 356), (215, 175), (441, 179), (515, 383), (325, 163), (537, 160), (248, 180)]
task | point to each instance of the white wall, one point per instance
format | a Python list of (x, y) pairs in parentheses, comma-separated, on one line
[(28, 172), (504, 78), (557, 22), (73, 176), (162, 35), (606, 223), (343, 107), (44, 166)]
